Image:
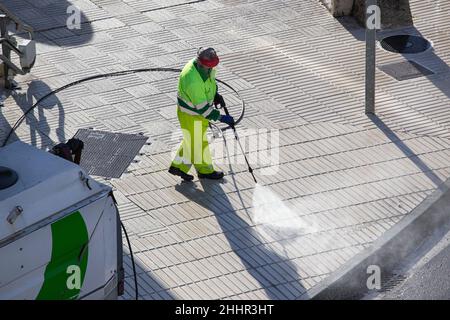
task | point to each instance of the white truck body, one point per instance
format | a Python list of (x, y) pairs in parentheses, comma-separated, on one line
[(66, 242)]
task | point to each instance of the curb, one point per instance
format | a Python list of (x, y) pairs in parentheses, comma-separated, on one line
[(349, 281)]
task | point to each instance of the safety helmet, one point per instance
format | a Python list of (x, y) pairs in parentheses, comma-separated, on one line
[(207, 57)]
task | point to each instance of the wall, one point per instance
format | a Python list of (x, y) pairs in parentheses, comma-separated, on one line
[(339, 7), (394, 13)]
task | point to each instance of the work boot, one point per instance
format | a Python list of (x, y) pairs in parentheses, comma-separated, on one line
[(177, 172), (216, 175)]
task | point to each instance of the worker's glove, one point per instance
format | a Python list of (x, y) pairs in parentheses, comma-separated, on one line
[(227, 119), (218, 99)]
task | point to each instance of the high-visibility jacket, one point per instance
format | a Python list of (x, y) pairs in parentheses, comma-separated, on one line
[(195, 95)]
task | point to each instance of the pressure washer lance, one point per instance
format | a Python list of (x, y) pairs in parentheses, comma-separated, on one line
[(250, 169)]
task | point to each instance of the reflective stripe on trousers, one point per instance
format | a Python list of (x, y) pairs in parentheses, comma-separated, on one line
[(194, 148)]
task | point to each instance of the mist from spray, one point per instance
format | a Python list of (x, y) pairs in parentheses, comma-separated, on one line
[(270, 213)]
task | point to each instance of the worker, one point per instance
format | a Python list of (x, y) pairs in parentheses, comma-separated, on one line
[(197, 92)]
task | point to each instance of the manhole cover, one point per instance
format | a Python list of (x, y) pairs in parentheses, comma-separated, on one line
[(405, 70), (108, 154), (405, 44)]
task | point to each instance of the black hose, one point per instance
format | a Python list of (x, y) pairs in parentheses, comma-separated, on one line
[(241, 116), (116, 74), (136, 290), (113, 74)]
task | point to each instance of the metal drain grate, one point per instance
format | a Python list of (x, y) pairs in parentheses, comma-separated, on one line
[(405, 70), (391, 282), (108, 154)]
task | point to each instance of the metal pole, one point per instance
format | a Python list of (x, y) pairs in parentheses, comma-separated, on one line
[(372, 22), (6, 51)]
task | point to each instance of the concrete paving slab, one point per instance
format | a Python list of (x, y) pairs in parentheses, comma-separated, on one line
[(342, 179)]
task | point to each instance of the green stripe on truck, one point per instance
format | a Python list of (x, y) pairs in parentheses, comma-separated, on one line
[(65, 272)]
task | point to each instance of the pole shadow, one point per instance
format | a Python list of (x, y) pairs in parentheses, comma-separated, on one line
[(392, 136)]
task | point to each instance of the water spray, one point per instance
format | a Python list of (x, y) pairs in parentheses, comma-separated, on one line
[(250, 169)]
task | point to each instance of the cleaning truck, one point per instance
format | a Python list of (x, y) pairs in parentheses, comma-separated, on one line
[(60, 235)]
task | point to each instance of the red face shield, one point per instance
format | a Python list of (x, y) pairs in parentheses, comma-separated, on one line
[(208, 57)]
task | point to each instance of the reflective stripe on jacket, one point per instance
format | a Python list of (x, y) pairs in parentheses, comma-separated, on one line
[(195, 96)]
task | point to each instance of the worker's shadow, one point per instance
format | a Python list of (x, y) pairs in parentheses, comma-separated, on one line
[(245, 241), (36, 119)]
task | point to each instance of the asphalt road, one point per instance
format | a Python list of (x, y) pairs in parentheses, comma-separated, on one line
[(425, 275), (429, 282)]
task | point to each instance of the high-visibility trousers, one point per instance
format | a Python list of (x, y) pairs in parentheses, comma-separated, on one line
[(194, 149)]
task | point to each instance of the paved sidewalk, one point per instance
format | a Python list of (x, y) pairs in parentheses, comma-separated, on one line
[(343, 178)]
